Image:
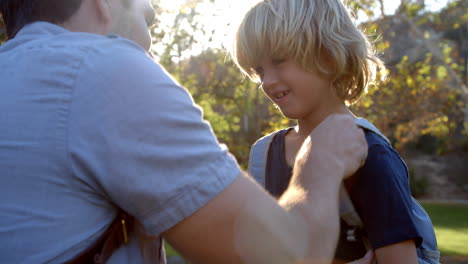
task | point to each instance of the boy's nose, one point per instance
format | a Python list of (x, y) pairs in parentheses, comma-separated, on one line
[(269, 80)]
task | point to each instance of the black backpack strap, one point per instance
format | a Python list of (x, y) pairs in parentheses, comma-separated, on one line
[(113, 238), (351, 217)]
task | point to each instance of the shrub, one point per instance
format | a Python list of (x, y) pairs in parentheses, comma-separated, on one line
[(418, 184)]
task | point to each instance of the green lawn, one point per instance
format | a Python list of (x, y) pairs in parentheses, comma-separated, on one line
[(169, 250), (451, 227), (450, 224)]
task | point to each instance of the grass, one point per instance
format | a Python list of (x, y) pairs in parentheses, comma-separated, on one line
[(169, 250), (450, 224), (451, 227)]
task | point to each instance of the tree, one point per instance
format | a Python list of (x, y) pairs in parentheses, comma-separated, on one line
[(425, 93)]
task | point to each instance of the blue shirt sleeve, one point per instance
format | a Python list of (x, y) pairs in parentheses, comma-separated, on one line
[(381, 195), (140, 141)]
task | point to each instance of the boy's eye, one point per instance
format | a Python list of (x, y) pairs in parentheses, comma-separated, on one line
[(259, 72), (277, 61)]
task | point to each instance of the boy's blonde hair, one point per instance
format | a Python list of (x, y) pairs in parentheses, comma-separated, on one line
[(317, 35)]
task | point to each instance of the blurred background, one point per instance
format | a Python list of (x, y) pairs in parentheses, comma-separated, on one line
[(421, 106)]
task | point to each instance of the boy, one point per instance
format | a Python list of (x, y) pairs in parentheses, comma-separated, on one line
[(312, 61)]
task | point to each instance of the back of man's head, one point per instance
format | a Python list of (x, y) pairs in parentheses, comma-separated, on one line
[(18, 13)]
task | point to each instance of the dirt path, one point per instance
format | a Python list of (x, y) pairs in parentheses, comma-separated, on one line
[(445, 175)]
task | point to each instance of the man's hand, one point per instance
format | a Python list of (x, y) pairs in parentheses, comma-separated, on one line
[(335, 148)]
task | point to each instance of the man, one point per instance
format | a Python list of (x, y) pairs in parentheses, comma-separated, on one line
[(90, 125)]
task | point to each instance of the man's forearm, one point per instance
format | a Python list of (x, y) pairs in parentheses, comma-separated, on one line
[(245, 225), (319, 209), (313, 193), (304, 228)]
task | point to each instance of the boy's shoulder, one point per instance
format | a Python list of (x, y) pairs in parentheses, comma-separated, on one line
[(381, 153), (374, 138), (267, 139)]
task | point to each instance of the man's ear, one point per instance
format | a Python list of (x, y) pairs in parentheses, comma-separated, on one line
[(103, 8)]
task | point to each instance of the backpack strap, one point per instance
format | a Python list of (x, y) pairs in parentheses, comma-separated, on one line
[(116, 235), (351, 217), (257, 169), (363, 123), (258, 157), (347, 211)]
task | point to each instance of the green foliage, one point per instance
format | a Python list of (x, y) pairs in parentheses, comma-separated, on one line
[(418, 184), (413, 101), (170, 251), (411, 9), (464, 144), (430, 144), (366, 6)]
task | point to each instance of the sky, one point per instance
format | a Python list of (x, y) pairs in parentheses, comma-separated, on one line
[(218, 15), (234, 7), (432, 5)]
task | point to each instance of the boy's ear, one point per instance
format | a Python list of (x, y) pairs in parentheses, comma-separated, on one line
[(326, 59)]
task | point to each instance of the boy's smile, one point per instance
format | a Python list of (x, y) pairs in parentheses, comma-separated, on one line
[(279, 96), (298, 93)]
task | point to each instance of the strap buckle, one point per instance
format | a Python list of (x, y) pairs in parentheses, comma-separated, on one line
[(351, 234), (124, 231)]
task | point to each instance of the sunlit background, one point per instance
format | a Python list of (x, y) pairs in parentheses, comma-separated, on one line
[(217, 15), (422, 106)]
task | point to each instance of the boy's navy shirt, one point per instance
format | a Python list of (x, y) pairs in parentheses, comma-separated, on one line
[(379, 191)]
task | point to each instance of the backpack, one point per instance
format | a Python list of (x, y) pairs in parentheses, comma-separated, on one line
[(257, 167)]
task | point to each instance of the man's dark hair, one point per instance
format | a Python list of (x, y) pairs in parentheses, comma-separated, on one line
[(18, 13)]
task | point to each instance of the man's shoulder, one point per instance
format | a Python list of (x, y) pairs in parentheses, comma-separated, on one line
[(48, 38), (110, 48), (44, 43), (111, 56), (91, 48)]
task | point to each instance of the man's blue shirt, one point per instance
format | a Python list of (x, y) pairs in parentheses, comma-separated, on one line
[(90, 123)]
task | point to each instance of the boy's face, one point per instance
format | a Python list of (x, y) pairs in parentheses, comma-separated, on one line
[(131, 20), (299, 94)]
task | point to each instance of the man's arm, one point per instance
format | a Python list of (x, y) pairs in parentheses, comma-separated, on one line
[(152, 154), (245, 225)]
